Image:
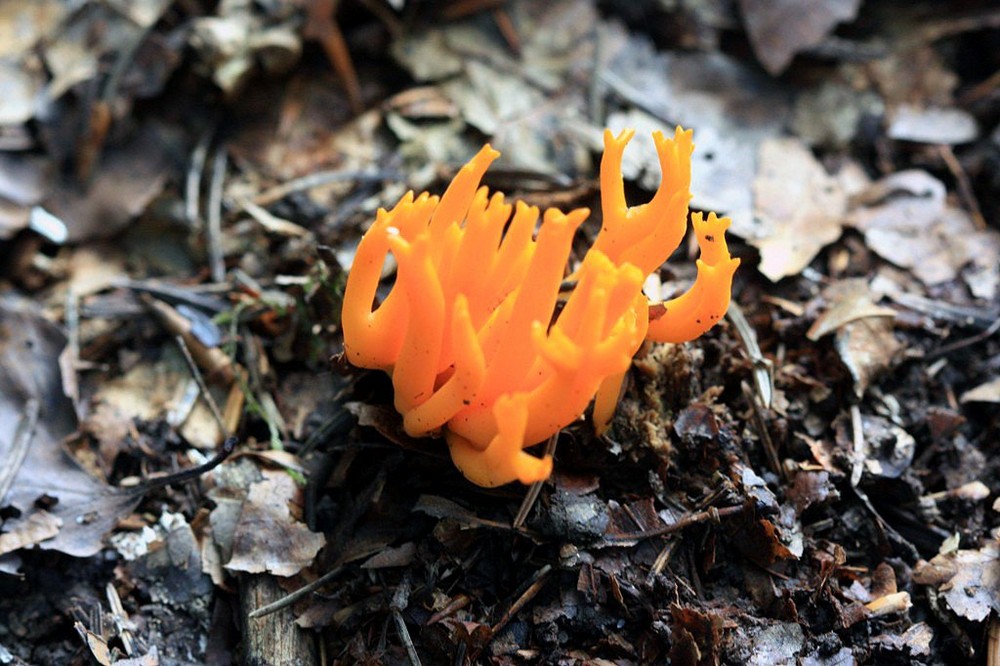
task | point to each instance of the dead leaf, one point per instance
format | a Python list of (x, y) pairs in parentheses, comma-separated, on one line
[(267, 537), (767, 645), (799, 207), (889, 448), (811, 488), (937, 125), (38, 527), (778, 29), (850, 300), (864, 331), (532, 106), (974, 589), (24, 22), (988, 392), (131, 175), (29, 369), (867, 348), (906, 219), (399, 556)]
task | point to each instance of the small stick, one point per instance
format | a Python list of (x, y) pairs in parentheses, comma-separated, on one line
[(537, 582), (292, 597), (965, 342), (216, 257), (120, 617), (993, 643), (535, 489), (710, 514), (192, 183), (964, 186), (202, 386), (758, 418), (763, 369), (400, 599)]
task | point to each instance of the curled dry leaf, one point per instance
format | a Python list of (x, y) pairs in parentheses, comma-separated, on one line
[(799, 206), (864, 331), (906, 219), (937, 125), (973, 589), (268, 538), (778, 29)]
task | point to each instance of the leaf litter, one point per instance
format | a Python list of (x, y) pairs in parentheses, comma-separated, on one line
[(181, 187)]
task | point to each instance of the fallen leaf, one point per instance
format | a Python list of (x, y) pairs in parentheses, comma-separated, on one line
[(864, 339), (937, 125), (906, 219), (29, 370), (778, 29), (798, 205), (850, 300), (974, 589), (38, 527), (131, 175), (988, 392), (267, 537)]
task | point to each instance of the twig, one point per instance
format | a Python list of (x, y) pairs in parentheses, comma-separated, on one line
[(507, 29), (536, 487), (206, 395), (595, 101), (216, 256), (192, 182), (215, 361), (661, 561), (69, 359), (320, 178), (993, 642), (120, 617), (535, 586), (857, 445), (765, 435), (966, 342), (292, 597), (321, 25), (710, 514), (19, 446), (964, 186), (400, 599), (763, 369), (228, 446)]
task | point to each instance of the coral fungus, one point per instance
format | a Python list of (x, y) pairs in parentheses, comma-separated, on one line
[(469, 331)]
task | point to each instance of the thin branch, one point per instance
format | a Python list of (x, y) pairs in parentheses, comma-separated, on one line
[(711, 514)]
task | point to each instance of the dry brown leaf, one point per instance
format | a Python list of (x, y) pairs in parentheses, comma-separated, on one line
[(128, 179), (38, 527), (906, 219), (778, 29), (850, 300), (988, 392), (974, 589), (864, 331), (799, 206), (268, 538), (29, 369)]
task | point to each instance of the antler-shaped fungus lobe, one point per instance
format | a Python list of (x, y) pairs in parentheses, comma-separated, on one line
[(469, 331)]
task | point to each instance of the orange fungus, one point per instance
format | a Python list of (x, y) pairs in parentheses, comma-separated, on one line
[(468, 331)]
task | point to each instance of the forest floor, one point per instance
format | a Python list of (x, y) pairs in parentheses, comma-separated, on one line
[(191, 473)]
